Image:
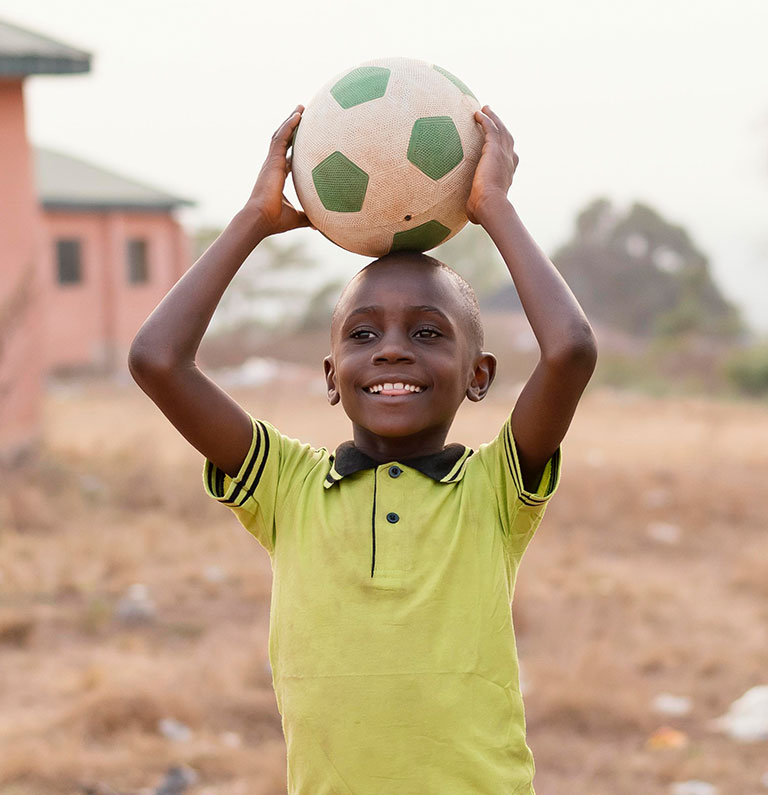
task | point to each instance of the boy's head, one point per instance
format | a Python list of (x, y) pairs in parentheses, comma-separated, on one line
[(406, 349)]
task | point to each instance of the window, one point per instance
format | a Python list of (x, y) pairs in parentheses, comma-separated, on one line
[(138, 269), (69, 263)]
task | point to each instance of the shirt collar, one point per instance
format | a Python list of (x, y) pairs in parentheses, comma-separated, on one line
[(447, 466)]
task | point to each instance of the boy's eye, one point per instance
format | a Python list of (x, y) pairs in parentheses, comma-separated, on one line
[(361, 334), (427, 333)]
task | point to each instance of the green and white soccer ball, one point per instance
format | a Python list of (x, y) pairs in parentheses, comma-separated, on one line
[(384, 156)]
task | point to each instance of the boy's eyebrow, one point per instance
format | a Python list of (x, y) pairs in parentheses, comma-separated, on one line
[(427, 308), (365, 310)]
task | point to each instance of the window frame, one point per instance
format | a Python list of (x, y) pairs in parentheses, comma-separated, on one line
[(76, 276), (137, 269)]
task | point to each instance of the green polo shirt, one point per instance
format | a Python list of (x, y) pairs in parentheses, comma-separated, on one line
[(391, 640)]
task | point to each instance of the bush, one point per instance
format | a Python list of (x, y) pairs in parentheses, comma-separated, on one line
[(747, 370)]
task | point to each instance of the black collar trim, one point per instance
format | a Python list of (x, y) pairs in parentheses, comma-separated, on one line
[(447, 466)]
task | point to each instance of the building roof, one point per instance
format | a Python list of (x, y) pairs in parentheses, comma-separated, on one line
[(23, 52), (67, 183)]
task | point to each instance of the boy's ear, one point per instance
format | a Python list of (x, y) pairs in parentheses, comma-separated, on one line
[(484, 373), (330, 380)]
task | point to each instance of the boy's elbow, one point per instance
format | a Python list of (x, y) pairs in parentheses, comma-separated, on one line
[(578, 351), (145, 362)]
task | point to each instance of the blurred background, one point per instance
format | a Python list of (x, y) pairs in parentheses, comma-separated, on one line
[(134, 612)]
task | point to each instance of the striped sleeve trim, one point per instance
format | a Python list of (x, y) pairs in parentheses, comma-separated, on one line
[(549, 479), (235, 492)]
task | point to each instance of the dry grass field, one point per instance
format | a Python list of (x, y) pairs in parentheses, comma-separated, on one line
[(647, 576)]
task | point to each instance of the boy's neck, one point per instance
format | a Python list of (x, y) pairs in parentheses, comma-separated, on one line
[(398, 448)]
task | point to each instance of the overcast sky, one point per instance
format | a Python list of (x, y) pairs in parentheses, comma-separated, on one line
[(661, 101)]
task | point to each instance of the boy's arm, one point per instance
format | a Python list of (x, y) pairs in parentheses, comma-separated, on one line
[(567, 344), (162, 355)]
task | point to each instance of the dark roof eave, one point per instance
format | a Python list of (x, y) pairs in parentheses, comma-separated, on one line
[(75, 206), (23, 65)]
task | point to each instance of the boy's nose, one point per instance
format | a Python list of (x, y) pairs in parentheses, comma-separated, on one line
[(392, 350)]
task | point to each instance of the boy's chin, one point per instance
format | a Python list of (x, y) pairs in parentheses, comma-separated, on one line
[(389, 430)]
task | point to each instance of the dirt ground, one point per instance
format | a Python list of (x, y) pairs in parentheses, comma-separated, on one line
[(647, 576)]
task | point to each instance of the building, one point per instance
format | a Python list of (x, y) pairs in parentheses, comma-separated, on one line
[(22, 362), (111, 249), (85, 254)]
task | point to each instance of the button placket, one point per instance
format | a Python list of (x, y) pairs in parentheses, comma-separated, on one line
[(392, 551)]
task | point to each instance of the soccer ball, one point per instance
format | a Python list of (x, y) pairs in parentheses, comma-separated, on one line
[(384, 156)]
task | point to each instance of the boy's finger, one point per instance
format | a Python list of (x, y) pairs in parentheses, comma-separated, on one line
[(285, 130), (497, 121), (298, 109), (304, 220), (486, 121)]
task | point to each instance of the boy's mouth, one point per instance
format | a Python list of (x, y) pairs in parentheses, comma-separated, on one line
[(392, 389)]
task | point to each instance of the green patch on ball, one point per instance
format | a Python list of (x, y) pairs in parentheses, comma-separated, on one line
[(420, 238), (435, 146), (361, 85), (340, 184), (455, 80)]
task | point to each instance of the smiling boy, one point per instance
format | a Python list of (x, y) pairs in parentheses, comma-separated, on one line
[(394, 558)]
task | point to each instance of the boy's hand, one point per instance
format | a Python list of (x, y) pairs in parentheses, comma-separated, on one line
[(267, 201), (496, 166)]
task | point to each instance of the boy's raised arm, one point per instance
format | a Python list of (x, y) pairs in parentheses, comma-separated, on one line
[(546, 405), (162, 355)]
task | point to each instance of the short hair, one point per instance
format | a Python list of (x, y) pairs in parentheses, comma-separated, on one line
[(464, 288)]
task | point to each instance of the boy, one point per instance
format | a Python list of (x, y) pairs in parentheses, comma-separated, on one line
[(394, 559)]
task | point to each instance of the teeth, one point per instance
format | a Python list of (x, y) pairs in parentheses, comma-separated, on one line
[(400, 386)]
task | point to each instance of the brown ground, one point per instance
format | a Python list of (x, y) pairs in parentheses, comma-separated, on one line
[(607, 617)]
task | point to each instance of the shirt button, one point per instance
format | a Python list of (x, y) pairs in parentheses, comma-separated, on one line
[(395, 472), (393, 518)]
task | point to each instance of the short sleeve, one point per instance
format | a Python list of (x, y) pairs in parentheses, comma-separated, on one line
[(273, 465), (520, 510)]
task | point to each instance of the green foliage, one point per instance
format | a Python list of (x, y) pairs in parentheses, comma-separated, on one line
[(278, 286), (317, 316), (639, 273), (473, 254), (747, 370)]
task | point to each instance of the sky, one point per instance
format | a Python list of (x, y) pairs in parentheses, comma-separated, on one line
[(659, 101)]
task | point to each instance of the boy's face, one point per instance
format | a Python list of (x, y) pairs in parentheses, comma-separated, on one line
[(403, 358)]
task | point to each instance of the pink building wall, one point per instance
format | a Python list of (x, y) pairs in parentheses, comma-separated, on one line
[(90, 324), (21, 361)]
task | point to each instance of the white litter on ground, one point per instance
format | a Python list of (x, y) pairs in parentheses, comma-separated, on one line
[(175, 730), (136, 606), (693, 787), (664, 532), (747, 718), (668, 704)]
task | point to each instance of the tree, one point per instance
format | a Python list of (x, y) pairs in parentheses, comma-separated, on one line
[(644, 275), (473, 254)]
